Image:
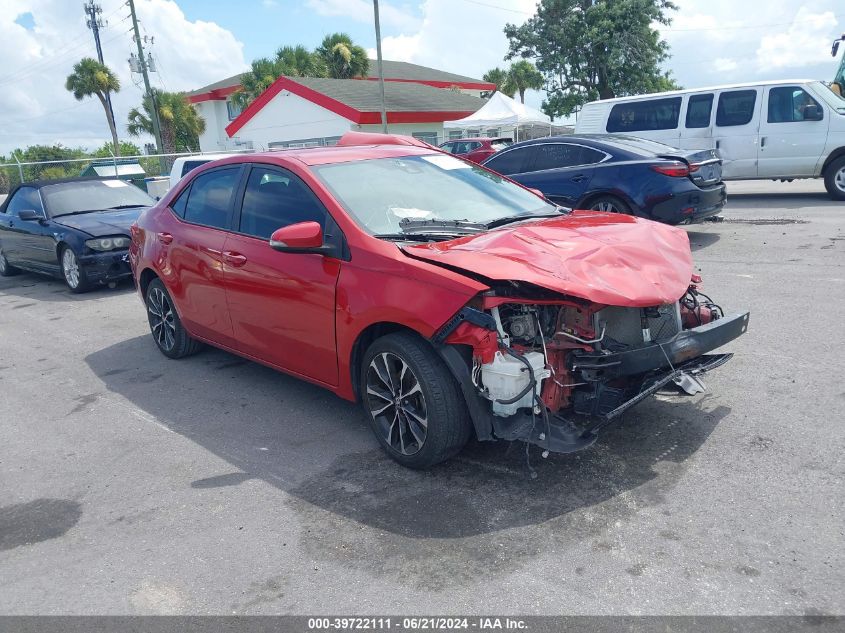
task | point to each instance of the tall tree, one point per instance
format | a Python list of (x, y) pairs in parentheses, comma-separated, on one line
[(594, 49), (343, 58), (499, 77), (523, 76), (181, 125), (90, 77), (293, 61)]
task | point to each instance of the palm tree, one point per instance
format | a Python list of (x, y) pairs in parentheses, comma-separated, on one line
[(90, 77), (298, 61), (255, 81), (343, 58), (500, 78), (180, 124), (524, 76)]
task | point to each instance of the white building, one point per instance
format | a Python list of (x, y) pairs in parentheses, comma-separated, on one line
[(308, 111)]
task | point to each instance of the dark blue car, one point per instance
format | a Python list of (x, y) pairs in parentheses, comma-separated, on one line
[(75, 229), (621, 174)]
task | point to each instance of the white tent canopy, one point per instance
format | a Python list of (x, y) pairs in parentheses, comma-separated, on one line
[(500, 111)]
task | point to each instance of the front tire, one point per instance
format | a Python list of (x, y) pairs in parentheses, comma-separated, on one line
[(834, 179), (413, 402), (6, 269), (72, 272), (168, 332)]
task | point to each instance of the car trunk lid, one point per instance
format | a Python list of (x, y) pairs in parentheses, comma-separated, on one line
[(705, 166)]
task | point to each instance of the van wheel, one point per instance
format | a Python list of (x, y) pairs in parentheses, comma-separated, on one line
[(610, 204), (834, 179), (412, 401)]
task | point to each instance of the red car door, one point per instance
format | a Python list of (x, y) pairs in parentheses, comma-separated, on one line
[(282, 305), (193, 249)]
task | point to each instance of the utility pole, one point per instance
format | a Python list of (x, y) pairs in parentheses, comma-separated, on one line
[(95, 23), (143, 63), (380, 69)]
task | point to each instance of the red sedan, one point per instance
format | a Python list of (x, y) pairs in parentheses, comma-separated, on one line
[(444, 297), (476, 149)]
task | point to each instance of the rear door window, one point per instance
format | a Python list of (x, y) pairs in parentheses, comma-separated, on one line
[(558, 155), (736, 107), (512, 161), (210, 197), (699, 108), (654, 114)]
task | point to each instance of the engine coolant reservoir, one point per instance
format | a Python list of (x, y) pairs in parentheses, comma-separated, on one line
[(507, 376)]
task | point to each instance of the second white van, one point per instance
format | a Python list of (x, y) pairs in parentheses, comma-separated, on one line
[(776, 129)]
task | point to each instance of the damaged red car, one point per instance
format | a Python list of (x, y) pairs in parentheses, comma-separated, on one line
[(445, 298)]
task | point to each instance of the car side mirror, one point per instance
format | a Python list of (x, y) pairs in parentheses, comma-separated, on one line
[(812, 112), (302, 237), (29, 215)]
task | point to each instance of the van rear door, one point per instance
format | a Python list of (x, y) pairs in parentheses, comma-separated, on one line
[(736, 131), (793, 133)]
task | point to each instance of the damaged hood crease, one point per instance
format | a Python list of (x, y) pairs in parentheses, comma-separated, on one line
[(604, 258)]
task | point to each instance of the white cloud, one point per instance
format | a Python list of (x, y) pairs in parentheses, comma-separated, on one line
[(35, 105), (725, 64), (804, 42), (362, 11)]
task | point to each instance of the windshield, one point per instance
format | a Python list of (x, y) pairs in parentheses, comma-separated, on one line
[(92, 195), (826, 94), (386, 194)]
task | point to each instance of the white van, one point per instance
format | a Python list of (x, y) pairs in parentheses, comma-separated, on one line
[(774, 129)]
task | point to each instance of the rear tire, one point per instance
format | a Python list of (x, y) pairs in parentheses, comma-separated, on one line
[(72, 271), (6, 269), (610, 204), (168, 332), (412, 401), (834, 179)]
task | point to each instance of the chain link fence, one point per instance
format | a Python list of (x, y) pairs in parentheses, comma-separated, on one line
[(136, 169)]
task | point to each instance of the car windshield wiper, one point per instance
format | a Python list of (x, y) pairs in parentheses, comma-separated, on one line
[(123, 206), (415, 237), (58, 215), (440, 227), (559, 210)]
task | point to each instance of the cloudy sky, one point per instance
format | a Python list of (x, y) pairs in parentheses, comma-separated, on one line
[(197, 42)]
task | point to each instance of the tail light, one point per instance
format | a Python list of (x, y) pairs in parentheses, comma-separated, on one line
[(675, 169)]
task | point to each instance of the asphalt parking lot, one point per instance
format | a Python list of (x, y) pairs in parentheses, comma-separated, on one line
[(136, 484)]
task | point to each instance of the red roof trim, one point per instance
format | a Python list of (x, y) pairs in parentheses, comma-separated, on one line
[(332, 105), (218, 94), (464, 85)]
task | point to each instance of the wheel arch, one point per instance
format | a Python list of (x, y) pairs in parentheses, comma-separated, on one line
[(592, 196), (839, 152), (365, 338), (145, 279)]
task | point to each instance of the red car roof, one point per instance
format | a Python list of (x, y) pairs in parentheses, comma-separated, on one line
[(327, 155)]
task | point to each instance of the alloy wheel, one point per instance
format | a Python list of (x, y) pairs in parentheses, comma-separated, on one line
[(70, 268), (606, 206), (396, 402), (162, 319), (839, 179)]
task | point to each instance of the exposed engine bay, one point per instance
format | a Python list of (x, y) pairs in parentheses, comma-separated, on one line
[(553, 371)]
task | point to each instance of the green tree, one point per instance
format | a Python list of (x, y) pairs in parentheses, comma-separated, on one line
[(293, 61), (180, 123), (91, 78), (499, 77), (594, 49), (342, 57), (124, 149), (522, 76)]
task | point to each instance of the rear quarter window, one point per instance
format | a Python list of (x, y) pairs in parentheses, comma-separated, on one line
[(512, 161), (654, 114)]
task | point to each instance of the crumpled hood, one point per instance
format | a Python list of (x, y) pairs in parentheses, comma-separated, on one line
[(102, 223), (605, 258)]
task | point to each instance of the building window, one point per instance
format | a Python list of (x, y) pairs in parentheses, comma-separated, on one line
[(234, 109), (473, 133), (453, 134), (428, 137), (493, 132)]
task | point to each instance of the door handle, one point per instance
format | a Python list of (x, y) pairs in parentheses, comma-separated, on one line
[(762, 141), (579, 178), (235, 259), (164, 238), (718, 143)]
